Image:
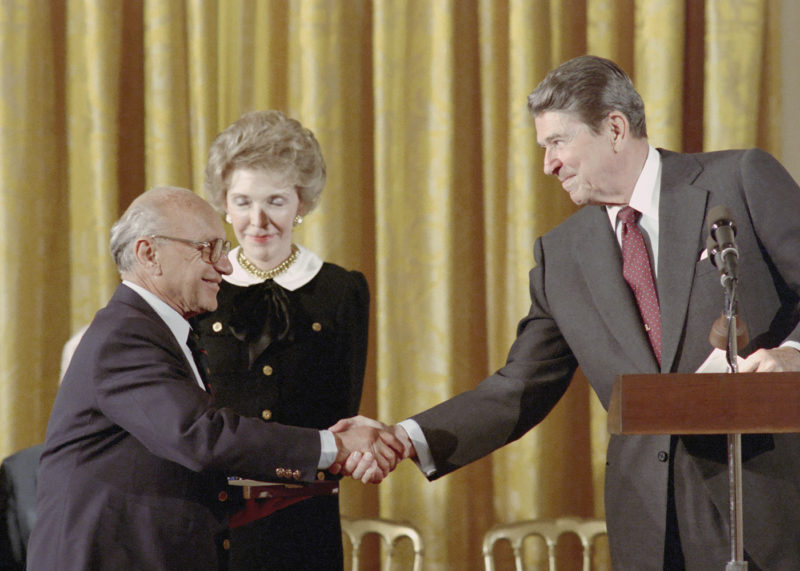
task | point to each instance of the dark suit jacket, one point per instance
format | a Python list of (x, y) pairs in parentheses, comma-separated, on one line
[(18, 474), (583, 313), (133, 475)]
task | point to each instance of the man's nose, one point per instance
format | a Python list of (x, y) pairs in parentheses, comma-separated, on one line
[(551, 162), (223, 265)]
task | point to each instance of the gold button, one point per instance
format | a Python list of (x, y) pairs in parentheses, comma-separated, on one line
[(297, 474), (217, 327), (267, 370), (280, 472), (226, 544), (316, 326), (222, 496), (320, 475), (266, 414)]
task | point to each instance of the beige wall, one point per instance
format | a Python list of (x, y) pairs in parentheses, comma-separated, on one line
[(790, 155)]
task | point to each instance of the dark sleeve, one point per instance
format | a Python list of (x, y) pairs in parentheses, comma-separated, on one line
[(146, 387), (17, 505), (773, 201), (510, 402), (10, 543)]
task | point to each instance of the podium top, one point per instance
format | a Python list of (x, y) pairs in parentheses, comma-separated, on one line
[(705, 403)]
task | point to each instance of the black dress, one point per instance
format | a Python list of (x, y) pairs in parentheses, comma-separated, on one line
[(294, 357)]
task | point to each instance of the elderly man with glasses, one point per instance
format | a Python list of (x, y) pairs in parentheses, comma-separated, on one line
[(137, 457)]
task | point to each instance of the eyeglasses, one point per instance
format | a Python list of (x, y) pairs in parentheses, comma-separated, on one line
[(210, 251)]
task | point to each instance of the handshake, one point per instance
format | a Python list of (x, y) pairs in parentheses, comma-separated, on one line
[(369, 450)]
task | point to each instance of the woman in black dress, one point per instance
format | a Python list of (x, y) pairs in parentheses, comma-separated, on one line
[(288, 342)]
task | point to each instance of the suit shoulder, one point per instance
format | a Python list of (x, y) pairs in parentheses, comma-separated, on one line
[(719, 159), (23, 461), (575, 223), (129, 324)]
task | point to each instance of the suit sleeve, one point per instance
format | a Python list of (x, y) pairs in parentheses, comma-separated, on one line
[(145, 386), (772, 198), (10, 536), (513, 400)]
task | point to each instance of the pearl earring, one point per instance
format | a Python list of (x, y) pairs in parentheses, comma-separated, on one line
[(228, 219), (298, 220)]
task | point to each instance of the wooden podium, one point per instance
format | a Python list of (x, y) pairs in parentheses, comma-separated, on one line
[(709, 403), (705, 403)]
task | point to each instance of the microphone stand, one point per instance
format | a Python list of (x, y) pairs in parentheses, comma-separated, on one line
[(730, 341)]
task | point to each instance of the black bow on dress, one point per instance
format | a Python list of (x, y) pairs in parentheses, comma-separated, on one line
[(260, 316)]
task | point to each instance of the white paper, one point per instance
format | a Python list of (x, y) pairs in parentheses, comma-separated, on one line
[(717, 362)]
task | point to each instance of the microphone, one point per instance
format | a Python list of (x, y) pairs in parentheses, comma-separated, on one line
[(721, 243)]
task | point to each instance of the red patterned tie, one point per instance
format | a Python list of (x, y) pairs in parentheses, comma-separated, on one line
[(637, 272)]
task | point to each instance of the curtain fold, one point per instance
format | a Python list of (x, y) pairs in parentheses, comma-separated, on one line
[(168, 107), (659, 37), (94, 46), (425, 264), (34, 226), (435, 186), (737, 49)]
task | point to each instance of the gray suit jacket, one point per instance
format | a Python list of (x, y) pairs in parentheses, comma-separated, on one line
[(584, 314), (133, 475)]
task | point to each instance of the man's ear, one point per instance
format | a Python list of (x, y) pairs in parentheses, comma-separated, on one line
[(618, 128), (147, 255)]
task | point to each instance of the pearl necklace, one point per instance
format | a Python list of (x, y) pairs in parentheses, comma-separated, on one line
[(256, 272)]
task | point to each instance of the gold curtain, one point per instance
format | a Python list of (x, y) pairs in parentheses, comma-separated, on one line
[(435, 190)]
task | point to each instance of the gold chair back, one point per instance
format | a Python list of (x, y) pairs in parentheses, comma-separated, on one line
[(389, 531), (550, 530)]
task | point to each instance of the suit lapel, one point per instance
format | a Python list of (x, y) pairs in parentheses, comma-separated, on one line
[(600, 261), (681, 240), (681, 236)]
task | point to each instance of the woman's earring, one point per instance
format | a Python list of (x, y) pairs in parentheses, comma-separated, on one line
[(228, 219), (298, 220)]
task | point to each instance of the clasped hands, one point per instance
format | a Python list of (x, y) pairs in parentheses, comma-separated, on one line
[(369, 450)]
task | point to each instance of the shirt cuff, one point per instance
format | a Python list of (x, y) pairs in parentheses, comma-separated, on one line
[(328, 449), (424, 459), (792, 344)]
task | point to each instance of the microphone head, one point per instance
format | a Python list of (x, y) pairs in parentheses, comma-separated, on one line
[(718, 217), (712, 249)]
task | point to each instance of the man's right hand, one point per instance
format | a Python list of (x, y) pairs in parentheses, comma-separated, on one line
[(366, 451), (390, 444)]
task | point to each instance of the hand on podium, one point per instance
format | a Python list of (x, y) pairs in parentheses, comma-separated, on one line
[(776, 360)]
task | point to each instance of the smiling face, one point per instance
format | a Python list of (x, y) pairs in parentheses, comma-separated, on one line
[(262, 208), (586, 163), (184, 279)]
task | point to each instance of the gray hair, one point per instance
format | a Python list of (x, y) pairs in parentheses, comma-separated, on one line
[(590, 87), (148, 214), (268, 141)]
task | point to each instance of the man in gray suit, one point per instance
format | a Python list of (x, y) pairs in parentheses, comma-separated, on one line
[(134, 471), (666, 496)]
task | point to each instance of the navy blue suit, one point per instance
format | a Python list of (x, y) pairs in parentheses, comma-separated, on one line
[(133, 475)]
